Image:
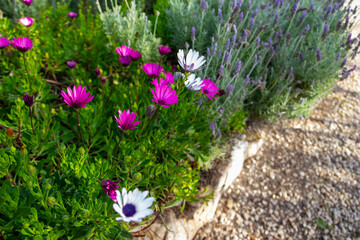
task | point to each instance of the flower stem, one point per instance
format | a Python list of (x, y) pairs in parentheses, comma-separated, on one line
[(32, 126), (27, 71), (117, 145), (77, 115), (147, 124)]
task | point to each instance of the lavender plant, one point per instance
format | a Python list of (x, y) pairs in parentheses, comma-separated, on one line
[(274, 56)]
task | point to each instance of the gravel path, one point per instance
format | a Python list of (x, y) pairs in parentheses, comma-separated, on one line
[(305, 181)]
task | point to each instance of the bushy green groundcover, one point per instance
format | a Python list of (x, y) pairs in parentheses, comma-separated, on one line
[(101, 131)]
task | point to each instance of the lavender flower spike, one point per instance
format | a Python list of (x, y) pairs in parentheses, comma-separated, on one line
[(220, 16), (193, 34), (318, 55), (325, 33)]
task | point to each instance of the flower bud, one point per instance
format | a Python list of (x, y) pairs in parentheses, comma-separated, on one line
[(97, 71), (31, 170), (150, 110), (28, 100), (50, 201)]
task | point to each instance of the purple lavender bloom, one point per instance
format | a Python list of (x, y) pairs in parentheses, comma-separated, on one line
[(251, 23), (246, 34), (221, 71), (303, 15), (72, 15), (255, 12), (220, 16), (4, 42), (328, 12), (302, 57), (352, 69), (293, 9), (213, 49), (208, 52), (228, 92), (204, 5), (338, 56), (22, 44), (325, 33), (234, 4), (318, 55), (257, 44), (276, 18), (305, 30), (311, 8), (193, 34), (270, 41), (238, 67), (71, 64), (221, 3), (227, 45), (255, 59), (247, 80), (241, 18), (226, 58), (249, 5), (219, 53), (233, 41), (348, 40), (234, 29), (212, 127)]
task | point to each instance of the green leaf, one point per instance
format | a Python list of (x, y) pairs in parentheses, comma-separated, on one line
[(125, 234), (320, 223)]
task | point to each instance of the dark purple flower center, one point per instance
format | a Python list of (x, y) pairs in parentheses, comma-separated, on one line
[(161, 102), (205, 91), (129, 210)]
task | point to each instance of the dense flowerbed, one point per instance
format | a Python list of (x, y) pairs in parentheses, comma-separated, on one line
[(107, 120)]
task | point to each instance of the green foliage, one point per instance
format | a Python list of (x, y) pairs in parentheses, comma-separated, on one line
[(49, 179), (131, 29)]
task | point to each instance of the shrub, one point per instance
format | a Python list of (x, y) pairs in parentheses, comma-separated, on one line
[(290, 52)]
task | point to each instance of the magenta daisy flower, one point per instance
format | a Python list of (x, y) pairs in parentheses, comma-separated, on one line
[(135, 55), (125, 61), (123, 51), (163, 95), (4, 42), (26, 21), (72, 15), (71, 64), (169, 78), (23, 44), (126, 120), (27, 2), (164, 50), (109, 187), (152, 69), (76, 97), (209, 88)]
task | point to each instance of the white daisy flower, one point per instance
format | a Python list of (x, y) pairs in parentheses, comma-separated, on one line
[(192, 62), (133, 206), (193, 83)]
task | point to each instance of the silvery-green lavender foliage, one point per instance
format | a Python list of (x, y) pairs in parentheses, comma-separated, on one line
[(132, 29), (277, 57)]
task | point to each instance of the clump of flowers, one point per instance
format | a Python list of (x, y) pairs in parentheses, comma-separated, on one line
[(191, 62), (133, 206), (26, 21), (127, 54), (163, 95), (152, 69), (22, 44)]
